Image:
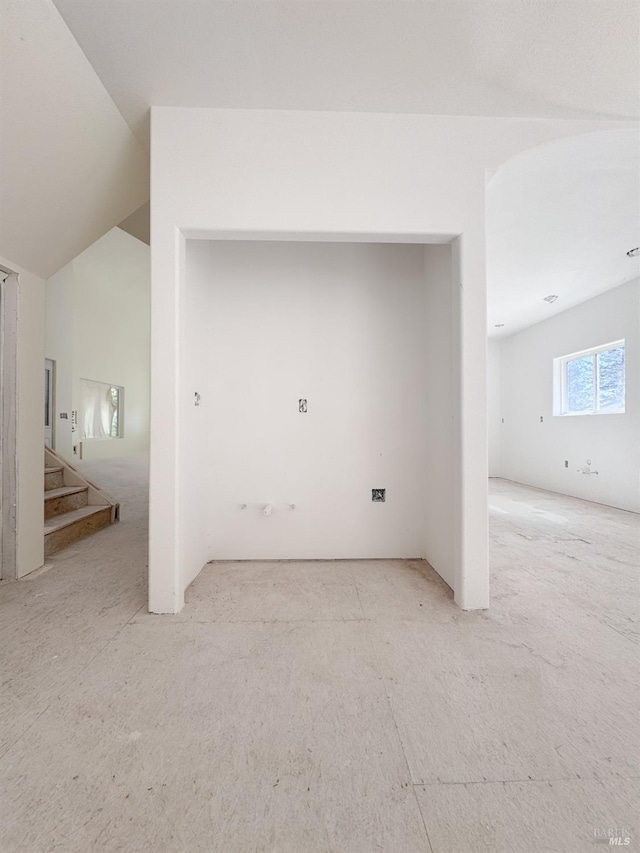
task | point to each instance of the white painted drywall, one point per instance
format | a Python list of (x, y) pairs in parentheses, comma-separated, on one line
[(533, 452), (59, 326), (494, 409), (343, 325), (441, 396), (70, 166), (343, 176), (30, 420), (436, 57), (97, 327), (560, 219)]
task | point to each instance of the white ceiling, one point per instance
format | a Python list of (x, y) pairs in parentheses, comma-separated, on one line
[(560, 219), (538, 58), (70, 167)]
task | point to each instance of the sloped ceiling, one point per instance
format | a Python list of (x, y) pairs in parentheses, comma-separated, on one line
[(536, 58), (70, 167), (138, 224), (560, 220)]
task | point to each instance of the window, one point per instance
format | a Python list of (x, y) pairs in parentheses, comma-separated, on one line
[(101, 410), (591, 382)]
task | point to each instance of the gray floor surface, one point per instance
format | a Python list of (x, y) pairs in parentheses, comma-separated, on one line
[(342, 707)]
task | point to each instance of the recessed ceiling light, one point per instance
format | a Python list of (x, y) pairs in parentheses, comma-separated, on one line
[(633, 253), (498, 325), (551, 298)]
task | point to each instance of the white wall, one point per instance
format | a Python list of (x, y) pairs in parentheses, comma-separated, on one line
[(533, 452), (442, 399), (494, 408), (30, 420), (59, 326), (345, 326), (97, 327), (342, 176)]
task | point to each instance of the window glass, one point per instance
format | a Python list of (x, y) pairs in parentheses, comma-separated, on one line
[(100, 409), (580, 384), (115, 405), (611, 379), (590, 382)]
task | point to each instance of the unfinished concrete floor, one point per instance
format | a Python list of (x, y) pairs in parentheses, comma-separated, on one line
[(346, 707)]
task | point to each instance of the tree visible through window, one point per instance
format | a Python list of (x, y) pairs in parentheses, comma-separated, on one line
[(611, 378), (100, 410), (594, 381), (115, 405)]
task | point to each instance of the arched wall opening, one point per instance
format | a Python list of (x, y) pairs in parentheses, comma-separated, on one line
[(561, 218)]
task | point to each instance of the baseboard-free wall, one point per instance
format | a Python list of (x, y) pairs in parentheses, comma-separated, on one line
[(97, 327), (295, 175), (442, 399), (534, 451), (344, 326)]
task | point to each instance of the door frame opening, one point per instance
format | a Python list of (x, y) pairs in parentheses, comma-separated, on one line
[(50, 403), (9, 284)]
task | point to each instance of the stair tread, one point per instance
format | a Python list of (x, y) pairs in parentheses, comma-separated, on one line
[(52, 469), (60, 521), (63, 491)]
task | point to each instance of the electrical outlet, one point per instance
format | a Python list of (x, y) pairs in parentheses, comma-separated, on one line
[(566, 463), (541, 419), (302, 406), (378, 496)]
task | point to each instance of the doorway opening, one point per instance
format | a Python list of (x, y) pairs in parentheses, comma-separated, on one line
[(8, 402), (49, 401)]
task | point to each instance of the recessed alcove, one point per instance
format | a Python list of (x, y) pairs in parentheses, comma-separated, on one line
[(362, 331)]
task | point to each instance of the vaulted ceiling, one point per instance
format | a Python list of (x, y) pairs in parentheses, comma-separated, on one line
[(538, 58), (79, 76), (70, 167), (560, 221)]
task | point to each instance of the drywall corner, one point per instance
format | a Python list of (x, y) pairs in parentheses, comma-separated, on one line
[(494, 407), (29, 420)]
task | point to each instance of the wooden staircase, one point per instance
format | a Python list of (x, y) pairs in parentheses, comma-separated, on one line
[(74, 507)]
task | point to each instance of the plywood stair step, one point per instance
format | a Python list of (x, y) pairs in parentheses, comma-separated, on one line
[(74, 506), (64, 499), (59, 522), (53, 477), (60, 531)]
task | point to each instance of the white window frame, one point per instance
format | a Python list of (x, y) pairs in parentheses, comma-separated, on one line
[(560, 381)]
